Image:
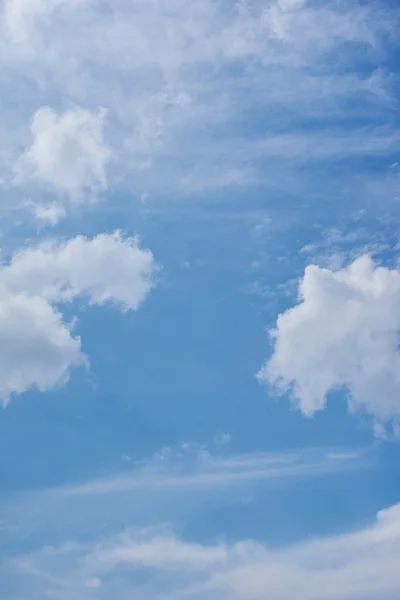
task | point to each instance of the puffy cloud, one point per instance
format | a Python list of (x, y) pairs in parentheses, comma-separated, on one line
[(343, 333), (67, 154), (36, 346), (107, 267), (37, 349)]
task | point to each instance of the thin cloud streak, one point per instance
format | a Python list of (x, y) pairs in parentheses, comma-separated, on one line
[(208, 472)]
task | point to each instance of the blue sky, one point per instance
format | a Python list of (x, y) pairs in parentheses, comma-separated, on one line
[(199, 300)]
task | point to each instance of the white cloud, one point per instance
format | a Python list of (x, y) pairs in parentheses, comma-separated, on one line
[(191, 469), (37, 347), (67, 154), (163, 551), (50, 213), (359, 565), (328, 144), (175, 485), (107, 267), (343, 333), (170, 75), (346, 567)]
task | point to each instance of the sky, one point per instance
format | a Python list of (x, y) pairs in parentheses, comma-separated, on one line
[(199, 300)]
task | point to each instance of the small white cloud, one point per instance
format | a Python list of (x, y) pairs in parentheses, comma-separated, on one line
[(343, 333), (67, 154), (48, 213), (36, 346)]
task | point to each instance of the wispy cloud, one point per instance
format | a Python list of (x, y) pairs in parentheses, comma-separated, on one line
[(154, 563), (193, 467), (185, 85), (172, 482)]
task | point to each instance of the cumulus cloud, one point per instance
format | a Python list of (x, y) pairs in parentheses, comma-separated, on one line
[(67, 154), (107, 267), (342, 334), (37, 348), (363, 564)]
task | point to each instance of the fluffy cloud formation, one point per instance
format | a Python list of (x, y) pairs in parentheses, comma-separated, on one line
[(343, 333), (352, 566), (67, 154), (37, 348), (107, 267)]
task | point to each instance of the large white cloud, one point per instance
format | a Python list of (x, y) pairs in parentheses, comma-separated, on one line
[(343, 333), (36, 346), (67, 154)]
